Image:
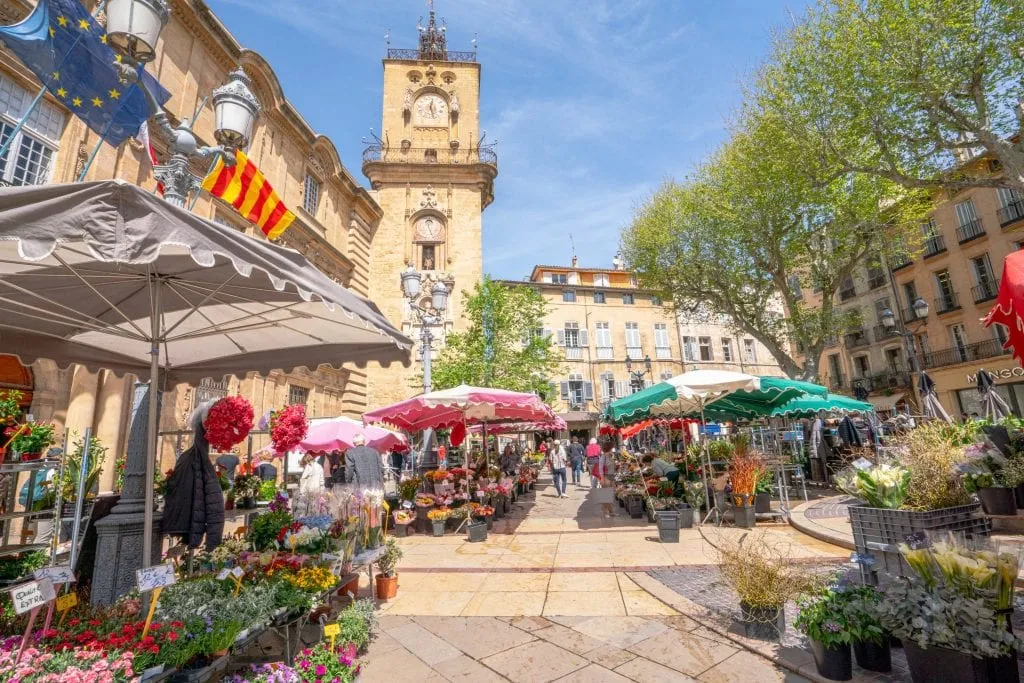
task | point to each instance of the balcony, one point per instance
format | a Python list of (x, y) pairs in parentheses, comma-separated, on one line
[(863, 382), (970, 231), (856, 339), (910, 315), (440, 156), (985, 291), (573, 353), (964, 354), (947, 303), (934, 245), (663, 353), (881, 333), (876, 281), (837, 383), (893, 378), (847, 294), (900, 262), (417, 55), (605, 353), (1011, 213), (634, 353)]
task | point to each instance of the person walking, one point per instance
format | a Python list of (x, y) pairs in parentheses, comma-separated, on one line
[(606, 495), (363, 466), (593, 453), (311, 486), (557, 460), (576, 454)]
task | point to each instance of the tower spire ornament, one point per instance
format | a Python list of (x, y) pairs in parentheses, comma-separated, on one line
[(433, 43)]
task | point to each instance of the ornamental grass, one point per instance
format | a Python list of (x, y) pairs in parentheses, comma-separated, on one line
[(931, 453), (761, 573)]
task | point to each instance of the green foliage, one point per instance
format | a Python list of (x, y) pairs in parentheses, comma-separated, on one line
[(35, 437), (388, 561), (862, 615), (268, 490), (14, 567), (500, 346), (72, 470), (879, 486), (10, 405), (357, 622), (264, 529), (823, 617), (897, 88)]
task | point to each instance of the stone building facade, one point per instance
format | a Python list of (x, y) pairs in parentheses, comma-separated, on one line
[(335, 227), (956, 269), (432, 173)]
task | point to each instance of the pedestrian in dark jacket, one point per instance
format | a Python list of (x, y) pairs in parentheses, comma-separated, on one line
[(363, 466), (576, 455), (194, 503)]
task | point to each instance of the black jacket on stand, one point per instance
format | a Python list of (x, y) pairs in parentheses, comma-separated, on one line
[(194, 504)]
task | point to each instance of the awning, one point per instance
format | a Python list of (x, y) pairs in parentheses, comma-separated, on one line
[(885, 403), (579, 416)]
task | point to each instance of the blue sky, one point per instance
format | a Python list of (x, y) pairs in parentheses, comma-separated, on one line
[(594, 102)]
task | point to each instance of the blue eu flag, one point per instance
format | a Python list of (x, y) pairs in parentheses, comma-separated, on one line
[(67, 51)]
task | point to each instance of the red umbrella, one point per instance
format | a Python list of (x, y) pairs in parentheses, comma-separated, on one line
[(1009, 306)]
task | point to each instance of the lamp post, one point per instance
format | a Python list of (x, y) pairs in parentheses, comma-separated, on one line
[(428, 316), (133, 28), (889, 322), (636, 377)]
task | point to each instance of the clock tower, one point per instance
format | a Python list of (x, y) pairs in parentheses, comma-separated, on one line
[(432, 174)]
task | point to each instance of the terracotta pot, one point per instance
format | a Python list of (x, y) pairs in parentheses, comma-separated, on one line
[(229, 503), (219, 653), (387, 587), (26, 457)]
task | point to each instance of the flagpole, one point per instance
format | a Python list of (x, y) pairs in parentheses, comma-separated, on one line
[(103, 138), (195, 195)]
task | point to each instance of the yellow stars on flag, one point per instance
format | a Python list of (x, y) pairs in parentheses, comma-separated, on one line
[(84, 24), (52, 32), (103, 39), (62, 20), (114, 94), (62, 93), (55, 75), (97, 102), (76, 102), (117, 58)]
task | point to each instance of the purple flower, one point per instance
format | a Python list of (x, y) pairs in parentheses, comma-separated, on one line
[(304, 664), (321, 670), (831, 627)]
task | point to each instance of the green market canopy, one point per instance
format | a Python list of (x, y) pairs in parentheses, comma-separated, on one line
[(808, 406)]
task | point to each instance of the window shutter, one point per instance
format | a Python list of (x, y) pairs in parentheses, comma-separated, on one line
[(565, 391), (621, 388), (561, 337), (584, 342), (547, 333), (588, 391)]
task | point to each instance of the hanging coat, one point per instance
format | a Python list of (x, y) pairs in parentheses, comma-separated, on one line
[(194, 504), (849, 433)]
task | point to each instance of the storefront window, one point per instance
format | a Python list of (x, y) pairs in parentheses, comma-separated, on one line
[(970, 403)]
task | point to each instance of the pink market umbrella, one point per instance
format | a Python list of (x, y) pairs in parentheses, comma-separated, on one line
[(337, 434), (556, 425)]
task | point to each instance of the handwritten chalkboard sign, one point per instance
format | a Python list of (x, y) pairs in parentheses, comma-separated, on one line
[(917, 540), (31, 595), (157, 576)]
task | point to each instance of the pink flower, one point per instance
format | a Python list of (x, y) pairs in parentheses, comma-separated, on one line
[(321, 670)]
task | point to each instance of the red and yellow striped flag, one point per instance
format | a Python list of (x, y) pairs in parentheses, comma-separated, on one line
[(244, 187)]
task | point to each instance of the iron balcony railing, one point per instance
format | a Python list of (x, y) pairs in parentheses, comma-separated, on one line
[(848, 293), (1011, 213), (876, 281), (986, 290), (947, 302), (856, 339), (971, 230), (837, 383), (964, 354), (882, 333), (893, 378), (430, 155), (934, 245), (449, 56), (910, 315), (900, 262), (864, 383)]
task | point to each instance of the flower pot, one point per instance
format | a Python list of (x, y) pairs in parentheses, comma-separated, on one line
[(744, 516), (387, 586), (997, 501), (763, 503), (438, 525), (1018, 494), (621, 502), (872, 656), (477, 531), (229, 503), (351, 586), (401, 530), (520, 488), (499, 509), (834, 663), (508, 506), (668, 526), (26, 457), (940, 664), (635, 506), (764, 623), (246, 504), (489, 519), (685, 517)]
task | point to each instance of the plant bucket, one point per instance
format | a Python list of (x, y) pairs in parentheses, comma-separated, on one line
[(477, 531), (763, 623), (685, 517), (668, 526), (941, 664), (744, 516), (387, 586), (763, 503), (438, 527), (872, 656), (998, 501), (833, 663), (635, 506)]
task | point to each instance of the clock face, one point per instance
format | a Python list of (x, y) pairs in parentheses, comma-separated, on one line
[(432, 109), (429, 229)]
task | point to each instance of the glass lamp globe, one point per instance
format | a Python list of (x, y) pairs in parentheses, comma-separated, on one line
[(888, 319), (920, 308), (134, 26), (439, 296), (236, 109), (411, 283)]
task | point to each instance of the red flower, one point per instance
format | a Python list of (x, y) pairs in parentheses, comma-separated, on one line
[(172, 636), (288, 427), (228, 423)]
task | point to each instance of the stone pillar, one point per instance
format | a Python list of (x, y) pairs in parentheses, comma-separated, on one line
[(120, 542), (109, 426), (82, 403)]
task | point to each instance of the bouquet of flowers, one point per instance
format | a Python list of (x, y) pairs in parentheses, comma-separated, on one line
[(404, 516), (288, 427), (481, 511), (33, 437), (299, 538), (438, 475), (247, 486), (439, 514), (313, 579), (228, 422), (880, 486), (424, 500)]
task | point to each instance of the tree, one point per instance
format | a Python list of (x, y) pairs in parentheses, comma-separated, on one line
[(501, 347), (904, 89), (751, 235)]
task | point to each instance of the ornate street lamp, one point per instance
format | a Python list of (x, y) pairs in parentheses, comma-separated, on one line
[(636, 377), (134, 26), (920, 307)]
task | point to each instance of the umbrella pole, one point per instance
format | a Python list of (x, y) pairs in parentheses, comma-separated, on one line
[(487, 452), (708, 481), (151, 435)]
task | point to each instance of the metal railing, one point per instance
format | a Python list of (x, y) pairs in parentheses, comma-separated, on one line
[(605, 353), (430, 155), (573, 353), (900, 262), (881, 333), (1011, 213), (846, 294), (971, 230), (856, 339), (986, 290), (893, 378), (449, 55), (947, 302), (876, 281), (964, 354), (910, 315), (934, 245), (837, 383)]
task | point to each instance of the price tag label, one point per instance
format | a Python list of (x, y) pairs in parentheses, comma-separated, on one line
[(158, 576), (866, 559), (223, 574), (28, 596), (332, 630), (66, 602), (329, 557), (238, 572), (57, 575), (917, 540)]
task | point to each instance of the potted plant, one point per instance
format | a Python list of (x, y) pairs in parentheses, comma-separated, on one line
[(387, 563), (982, 470), (10, 411), (745, 470), (823, 619), (763, 493), (247, 490), (32, 439), (476, 528), (438, 517), (668, 525), (871, 642), (695, 495), (486, 513)]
